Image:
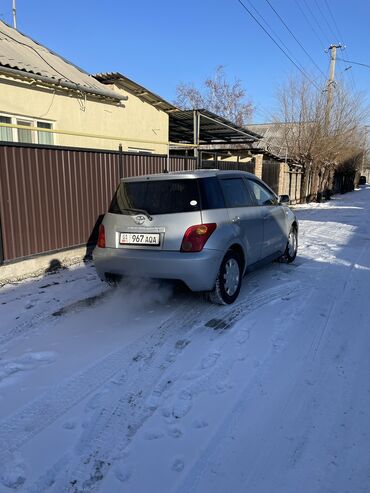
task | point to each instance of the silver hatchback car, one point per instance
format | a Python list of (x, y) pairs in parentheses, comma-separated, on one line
[(203, 227)]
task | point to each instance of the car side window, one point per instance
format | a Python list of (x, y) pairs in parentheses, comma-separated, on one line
[(261, 194), (211, 194), (236, 192)]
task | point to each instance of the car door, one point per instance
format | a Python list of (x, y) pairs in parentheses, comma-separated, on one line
[(274, 219), (245, 216)]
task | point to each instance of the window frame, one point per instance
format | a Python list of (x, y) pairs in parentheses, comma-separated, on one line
[(7, 128), (34, 121)]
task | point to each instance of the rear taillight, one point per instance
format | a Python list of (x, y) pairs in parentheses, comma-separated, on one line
[(196, 236), (101, 237)]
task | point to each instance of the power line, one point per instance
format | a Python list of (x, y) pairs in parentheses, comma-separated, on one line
[(272, 31), (325, 19), (277, 44), (322, 43), (292, 34), (333, 19), (348, 73), (341, 37), (355, 63), (314, 18)]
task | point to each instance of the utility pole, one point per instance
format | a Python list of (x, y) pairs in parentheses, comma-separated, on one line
[(330, 89), (14, 10)]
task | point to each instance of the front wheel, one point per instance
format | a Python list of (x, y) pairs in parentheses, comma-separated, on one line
[(291, 247), (228, 281)]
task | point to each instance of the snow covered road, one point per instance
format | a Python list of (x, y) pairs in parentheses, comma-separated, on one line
[(149, 389)]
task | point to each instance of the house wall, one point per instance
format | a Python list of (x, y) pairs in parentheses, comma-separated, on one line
[(137, 120)]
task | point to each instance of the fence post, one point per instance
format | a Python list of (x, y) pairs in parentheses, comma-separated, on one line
[(120, 161)]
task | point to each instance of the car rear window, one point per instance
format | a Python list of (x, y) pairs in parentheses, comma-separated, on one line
[(156, 196)]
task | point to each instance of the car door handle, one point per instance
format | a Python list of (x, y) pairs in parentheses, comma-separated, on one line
[(236, 220)]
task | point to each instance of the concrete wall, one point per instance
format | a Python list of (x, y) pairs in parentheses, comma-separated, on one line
[(39, 266), (138, 120)]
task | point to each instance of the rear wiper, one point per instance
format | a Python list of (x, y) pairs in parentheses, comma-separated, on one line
[(135, 211)]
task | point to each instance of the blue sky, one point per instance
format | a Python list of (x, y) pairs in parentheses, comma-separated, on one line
[(159, 44)]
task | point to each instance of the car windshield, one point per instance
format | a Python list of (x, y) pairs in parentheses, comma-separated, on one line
[(156, 197)]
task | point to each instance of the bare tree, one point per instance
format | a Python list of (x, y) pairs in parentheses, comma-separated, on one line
[(320, 147), (227, 99)]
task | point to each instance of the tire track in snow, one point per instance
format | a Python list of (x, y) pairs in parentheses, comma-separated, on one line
[(214, 450), (117, 424), (338, 300), (23, 425)]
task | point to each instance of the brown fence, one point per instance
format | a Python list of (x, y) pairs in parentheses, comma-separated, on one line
[(182, 163), (229, 165), (53, 198)]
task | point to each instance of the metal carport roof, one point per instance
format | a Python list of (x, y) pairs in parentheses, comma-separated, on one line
[(201, 126), (136, 89)]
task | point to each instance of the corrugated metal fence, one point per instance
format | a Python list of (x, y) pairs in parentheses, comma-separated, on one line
[(229, 165), (54, 198)]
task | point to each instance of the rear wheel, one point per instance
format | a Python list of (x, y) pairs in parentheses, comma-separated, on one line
[(228, 281), (291, 247)]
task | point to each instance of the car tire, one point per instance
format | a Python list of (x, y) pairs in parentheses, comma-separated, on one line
[(228, 281), (291, 247)]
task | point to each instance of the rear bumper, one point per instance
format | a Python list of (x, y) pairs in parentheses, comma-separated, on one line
[(197, 270)]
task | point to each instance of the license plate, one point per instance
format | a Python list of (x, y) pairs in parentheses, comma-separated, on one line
[(139, 239)]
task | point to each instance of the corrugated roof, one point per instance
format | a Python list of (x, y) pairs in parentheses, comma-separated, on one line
[(213, 129), (136, 89), (19, 52), (272, 137), (272, 141)]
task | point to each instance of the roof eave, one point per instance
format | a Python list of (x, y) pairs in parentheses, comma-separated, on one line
[(137, 89), (14, 72)]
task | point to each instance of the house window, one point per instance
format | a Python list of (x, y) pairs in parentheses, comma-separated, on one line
[(25, 135), (46, 138), (6, 133)]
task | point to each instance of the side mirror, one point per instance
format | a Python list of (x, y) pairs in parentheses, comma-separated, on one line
[(284, 199)]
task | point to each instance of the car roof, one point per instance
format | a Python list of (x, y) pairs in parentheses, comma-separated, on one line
[(198, 173)]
